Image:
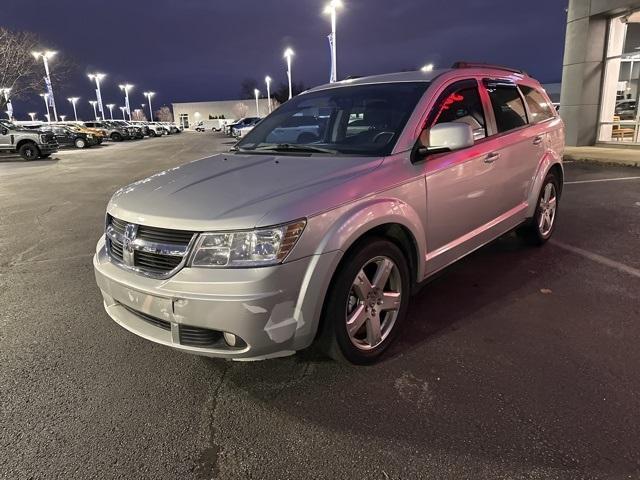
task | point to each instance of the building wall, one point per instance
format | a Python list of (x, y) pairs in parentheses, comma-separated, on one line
[(231, 109), (583, 65)]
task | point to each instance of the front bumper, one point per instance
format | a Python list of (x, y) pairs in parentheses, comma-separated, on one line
[(274, 310), (48, 148)]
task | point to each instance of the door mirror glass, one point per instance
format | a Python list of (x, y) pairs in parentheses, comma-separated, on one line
[(448, 136)]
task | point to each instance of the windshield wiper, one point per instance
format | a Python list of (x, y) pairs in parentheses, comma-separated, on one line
[(288, 147)]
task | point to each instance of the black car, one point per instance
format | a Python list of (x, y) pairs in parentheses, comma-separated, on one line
[(68, 137)]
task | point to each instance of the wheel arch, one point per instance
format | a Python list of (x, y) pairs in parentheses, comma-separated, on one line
[(551, 162), (24, 142)]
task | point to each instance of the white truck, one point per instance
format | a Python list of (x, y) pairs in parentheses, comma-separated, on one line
[(215, 125)]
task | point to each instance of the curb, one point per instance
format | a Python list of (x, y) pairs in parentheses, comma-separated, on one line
[(602, 161)]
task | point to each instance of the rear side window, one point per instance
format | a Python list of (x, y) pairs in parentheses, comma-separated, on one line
[(507, 105), (461, 104), (539, 108)]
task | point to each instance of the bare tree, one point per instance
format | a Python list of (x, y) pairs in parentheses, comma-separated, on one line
[(19, 70), (138, 115), (240, 110), (247, 88), (164, 115)]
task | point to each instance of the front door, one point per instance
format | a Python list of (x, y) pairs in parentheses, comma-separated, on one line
[(460, 185)]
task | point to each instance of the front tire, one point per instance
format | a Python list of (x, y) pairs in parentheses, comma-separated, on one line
[(540, 228), (29, 151), (80, 143), (116, 137), (366, 303)]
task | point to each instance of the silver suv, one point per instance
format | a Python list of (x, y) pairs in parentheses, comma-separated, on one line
[(321, 238)]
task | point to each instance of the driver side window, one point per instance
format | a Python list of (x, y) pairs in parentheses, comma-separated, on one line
[(462, 104)]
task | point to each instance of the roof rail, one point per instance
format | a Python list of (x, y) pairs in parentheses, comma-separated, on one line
[(488, 65)]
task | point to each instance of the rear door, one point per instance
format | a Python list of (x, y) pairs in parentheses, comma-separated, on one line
[(516, 147)]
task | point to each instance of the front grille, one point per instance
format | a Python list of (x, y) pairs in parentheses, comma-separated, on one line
[(154, 251), (198, 337)]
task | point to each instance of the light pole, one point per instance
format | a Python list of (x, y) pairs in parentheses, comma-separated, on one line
[(62, 117), (33, 116), (126, 87), (149, 95), (124, 109), (73, 101), (427, 68), (97, 77), (45, 97), (110, 107), (46, 55), (256, 92), (288, 53), (331, 9), (267, 80), (93, 104)]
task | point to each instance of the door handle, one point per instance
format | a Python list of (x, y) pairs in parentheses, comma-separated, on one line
[(492, 157), (537, 140)]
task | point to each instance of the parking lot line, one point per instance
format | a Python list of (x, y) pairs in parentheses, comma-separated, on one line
[(618, 179), (598, 258)]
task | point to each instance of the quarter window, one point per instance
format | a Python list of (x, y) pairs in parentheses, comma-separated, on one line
[(463, 105), (539, 108), (507, 105)]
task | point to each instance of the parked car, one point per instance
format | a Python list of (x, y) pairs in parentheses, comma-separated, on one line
[(171, 127), (155, 129), (239, 124), (215, 125), (112, 131), (241, 132), (30, 144), (135, 131), (265, 250), (97, 133), (626, 109), (71, 137)]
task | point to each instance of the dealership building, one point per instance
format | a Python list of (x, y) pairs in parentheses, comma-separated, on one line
[(189, 114), (601, 71)]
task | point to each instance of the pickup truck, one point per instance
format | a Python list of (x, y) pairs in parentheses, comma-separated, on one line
[(30, 144)]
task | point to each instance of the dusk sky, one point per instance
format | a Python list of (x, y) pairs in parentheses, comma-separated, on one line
[(198, 50)]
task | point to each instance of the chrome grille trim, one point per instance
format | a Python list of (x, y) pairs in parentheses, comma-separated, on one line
[(149, 251)]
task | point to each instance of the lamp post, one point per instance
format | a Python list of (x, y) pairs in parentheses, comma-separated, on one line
[(427, 68), (126, 87), (331, 9), (93, 104), (110, 107), (46, 55), (256, 92), (288, 53), (45, 97), (124, 109), (149, 95), (73, 101), (62, 117), (97, 77), (33, 116), (267, 80)]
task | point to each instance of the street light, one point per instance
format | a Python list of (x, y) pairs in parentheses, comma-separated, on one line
[(97, 77), (45, 97), (149, 95), (256, 92), (427, 68), (73, 101), (288, 53), (124, 109), (331, 9), (46, 55), (267, 80), (33, 116), (110, 107), (62, 117), (126, 87), (93, 104)]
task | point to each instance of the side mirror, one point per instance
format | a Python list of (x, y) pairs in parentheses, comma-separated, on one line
[(4, 131), (445, 137)]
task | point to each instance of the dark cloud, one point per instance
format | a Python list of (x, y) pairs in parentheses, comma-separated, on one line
[(189, 50)]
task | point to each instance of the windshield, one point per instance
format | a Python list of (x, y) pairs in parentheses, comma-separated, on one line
[(355, 120)]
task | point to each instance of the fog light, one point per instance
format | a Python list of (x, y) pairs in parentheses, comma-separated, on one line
[(231, 339)]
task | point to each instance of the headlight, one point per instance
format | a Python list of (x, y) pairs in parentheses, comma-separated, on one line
[(256, 248)]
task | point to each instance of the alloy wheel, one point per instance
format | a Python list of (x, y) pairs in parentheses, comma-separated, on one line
[(548, 206)]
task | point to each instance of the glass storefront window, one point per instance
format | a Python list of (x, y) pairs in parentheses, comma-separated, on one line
[(619, 114)]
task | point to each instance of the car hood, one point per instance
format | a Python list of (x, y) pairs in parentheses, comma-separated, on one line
[(233, 191)]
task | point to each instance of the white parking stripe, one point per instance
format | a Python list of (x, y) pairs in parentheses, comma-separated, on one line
[(602, 180), (598, 258)]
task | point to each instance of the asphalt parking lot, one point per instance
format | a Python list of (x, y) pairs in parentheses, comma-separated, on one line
[(517, 363)]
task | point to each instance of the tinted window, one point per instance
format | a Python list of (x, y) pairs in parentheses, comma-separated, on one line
[(539, 108), (463, 105), (507, 105)]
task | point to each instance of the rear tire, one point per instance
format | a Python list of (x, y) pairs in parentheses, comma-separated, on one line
[(80, 143), (152, 133), (539, 229), (116, 137), (29, 151), (366, 303)]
